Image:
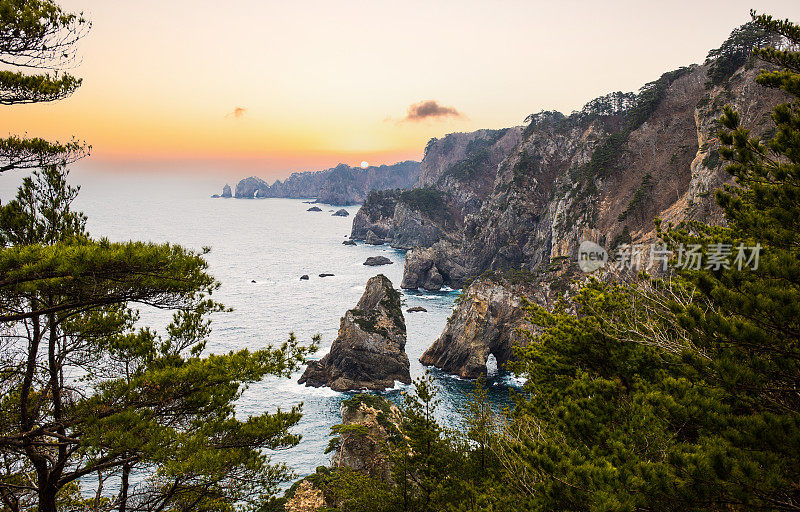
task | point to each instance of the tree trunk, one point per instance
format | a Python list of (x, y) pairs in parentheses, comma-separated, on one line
[(123, 491), (47, 499)]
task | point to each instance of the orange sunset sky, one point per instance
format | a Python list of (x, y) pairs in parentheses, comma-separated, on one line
[(266, 88)]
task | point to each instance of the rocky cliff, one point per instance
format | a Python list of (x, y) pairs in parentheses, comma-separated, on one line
[(360, 444), (369, 352), (601, 174), (341, 185), (456, 177), (405, 219), (490, 318), (363, 448)]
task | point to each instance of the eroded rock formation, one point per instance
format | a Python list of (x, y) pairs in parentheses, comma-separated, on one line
[(369, 352), (490, 319)]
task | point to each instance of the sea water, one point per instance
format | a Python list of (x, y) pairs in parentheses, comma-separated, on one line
[(259, 250)]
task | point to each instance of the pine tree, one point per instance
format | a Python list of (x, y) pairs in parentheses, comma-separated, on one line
[(36, 36), (681, 393), (87, 393)]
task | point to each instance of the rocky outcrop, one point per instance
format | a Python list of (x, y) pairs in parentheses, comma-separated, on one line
[(251, 187), (433, 267), (412, 228), (369, 352), (406, 219), (490, 319), (341, 213), (226, 191), (363, 448), (373, 239), (314, 209), (341, 185), (375, 261), (360, 445), (304, 498)]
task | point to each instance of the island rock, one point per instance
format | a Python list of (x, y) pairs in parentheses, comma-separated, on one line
[(341, 213), (369, 352), (374, 261)]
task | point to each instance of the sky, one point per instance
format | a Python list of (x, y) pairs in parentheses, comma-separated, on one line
[(266, 88)]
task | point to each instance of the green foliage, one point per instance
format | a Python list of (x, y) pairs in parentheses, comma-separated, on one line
[(27, 153), (17, 88), (736, 51), (41, 213), (144, 403), (621, 239), (37, 34), (639, 197), (429, 145), (428, 201), (527, 165), (712, 160), (544, 118), (369, 400)]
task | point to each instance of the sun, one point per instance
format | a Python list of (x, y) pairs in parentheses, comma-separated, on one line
[(364, 164)]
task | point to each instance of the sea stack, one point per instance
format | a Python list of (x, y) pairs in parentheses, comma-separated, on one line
[(226, 191), (369, 352)]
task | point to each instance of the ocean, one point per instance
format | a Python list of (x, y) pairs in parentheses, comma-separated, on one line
[(259, 250)]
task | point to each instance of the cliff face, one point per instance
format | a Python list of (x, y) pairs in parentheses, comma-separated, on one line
[(486, 322), (369, 352), (406, 219), (602, 174), (364, 450), (456, 176), (340, 186), (464, 165), (490, 319), (350, 185)]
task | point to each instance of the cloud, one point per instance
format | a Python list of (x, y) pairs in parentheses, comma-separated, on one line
[(430, 109), (237, 113)]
